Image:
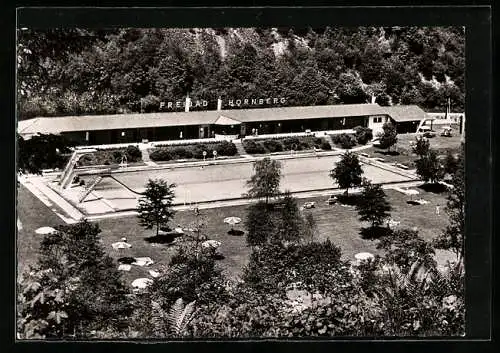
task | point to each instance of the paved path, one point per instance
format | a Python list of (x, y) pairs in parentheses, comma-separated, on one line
[(144, 148)]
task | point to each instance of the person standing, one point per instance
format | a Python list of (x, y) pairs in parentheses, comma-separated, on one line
[(437, 210)]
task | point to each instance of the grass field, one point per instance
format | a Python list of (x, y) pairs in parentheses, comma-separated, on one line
[(404, 151), (338, 223)]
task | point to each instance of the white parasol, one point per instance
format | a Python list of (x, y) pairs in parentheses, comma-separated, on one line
[(45, 230), (121, 245), (214, 244), (411, 192), (364, 256), (232, 221), (142, 283)]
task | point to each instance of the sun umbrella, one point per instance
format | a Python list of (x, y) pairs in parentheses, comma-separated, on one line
[(121, 245), (45, 230), (214, 244), (142, 283), (364, 256), (232, 221), (411, 192)]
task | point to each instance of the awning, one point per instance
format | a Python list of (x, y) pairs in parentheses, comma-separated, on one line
[(223, 120)]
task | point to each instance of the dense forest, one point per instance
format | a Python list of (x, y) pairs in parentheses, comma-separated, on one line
[(77, 71)]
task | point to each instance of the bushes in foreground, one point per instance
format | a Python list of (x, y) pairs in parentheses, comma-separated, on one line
[(195, 151)]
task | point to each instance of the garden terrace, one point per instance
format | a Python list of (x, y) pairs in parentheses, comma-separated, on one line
[(276, 145), (192, 151)]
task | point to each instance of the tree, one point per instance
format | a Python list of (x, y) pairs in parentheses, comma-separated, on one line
[(310, 226), (290, 223), (389, 136), (41, 152), (347, 172), (421, 146), (74, 288), (429, 167), (453, 236), (259, 224), (155, 206), (363, 134), (404, 246), (373, 206), (265, 181), (450, 163)]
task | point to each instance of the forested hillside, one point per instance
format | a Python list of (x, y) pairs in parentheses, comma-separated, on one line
[(69, 72)]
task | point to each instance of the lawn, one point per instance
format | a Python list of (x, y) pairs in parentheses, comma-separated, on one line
[(402, 152), (338, 223), (33, 215)]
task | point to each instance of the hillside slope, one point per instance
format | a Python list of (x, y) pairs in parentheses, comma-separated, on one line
[(75, 71)]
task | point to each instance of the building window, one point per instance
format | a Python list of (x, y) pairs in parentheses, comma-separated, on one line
[(377, 119)]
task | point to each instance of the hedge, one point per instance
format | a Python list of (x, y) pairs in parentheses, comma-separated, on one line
[(346, 141), (279, 144), (190, 151), (112, 156)]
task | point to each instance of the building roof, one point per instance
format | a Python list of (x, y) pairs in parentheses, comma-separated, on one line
[(116, 121), (307, 112), (401, 113), (57, 125)]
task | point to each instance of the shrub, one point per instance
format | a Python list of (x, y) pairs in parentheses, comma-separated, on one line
[(363, 134), (134, 154), (182, 153), (325, 145), (273, 146), (253, 147), (344, 140), (160, 154), (292, 143), (226, 148)]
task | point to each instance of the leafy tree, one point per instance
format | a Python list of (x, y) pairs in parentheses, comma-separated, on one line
[(155, 206), (429, 167), (450, 163), (273, 267), (363, 134), (453, 236), (347, 172), (373, 206), (290, 223), (421, 146), (259, 224), (41, 152), (404, 246), (310, 226), (265, 181), (74, 289), (389, 136)]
